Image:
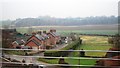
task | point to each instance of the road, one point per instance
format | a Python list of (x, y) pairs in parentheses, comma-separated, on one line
[(58, 47), (34, 59), (30, 60)]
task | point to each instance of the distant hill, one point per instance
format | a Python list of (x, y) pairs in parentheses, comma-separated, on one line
[(47, 20)]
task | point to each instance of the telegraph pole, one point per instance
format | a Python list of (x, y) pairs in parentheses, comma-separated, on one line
[(79, 52)]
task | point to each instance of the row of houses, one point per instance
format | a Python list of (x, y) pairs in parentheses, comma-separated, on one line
[(38, 40)]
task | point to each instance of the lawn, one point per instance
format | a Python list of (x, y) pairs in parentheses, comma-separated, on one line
[(95, 43), (71, 61), (13, 52)]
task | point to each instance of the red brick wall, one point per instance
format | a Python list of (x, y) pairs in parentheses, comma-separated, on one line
[(41, 42), (48, 42), (52, 40), (31, 44), (57, 39)]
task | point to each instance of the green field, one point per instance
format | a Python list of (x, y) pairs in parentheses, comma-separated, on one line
[(95, 43), (66, 32), (71, 61), (106, 32)]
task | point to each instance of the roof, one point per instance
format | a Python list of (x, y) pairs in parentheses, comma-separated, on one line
[(54, 34), (45, 36), (39, 37), (19, 41), (19, 38), (37, 43)]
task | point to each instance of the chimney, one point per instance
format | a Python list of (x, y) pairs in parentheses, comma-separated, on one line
[(39, 32), (44, 32), (33, 33), (52, 30)]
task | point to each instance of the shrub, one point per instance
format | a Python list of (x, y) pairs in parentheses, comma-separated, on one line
[(72, 46)]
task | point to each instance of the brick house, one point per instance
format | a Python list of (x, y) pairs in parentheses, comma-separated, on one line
[(20, 41), (54, 37), (14, 44), (35, 41), (46, 40), (43, 40)]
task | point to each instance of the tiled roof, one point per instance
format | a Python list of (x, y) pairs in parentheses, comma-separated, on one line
[(18, 39), (54, 34), (45, 36), (36, 42), (39, 37)]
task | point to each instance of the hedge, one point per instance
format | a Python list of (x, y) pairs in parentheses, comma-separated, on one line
[(71, 46)]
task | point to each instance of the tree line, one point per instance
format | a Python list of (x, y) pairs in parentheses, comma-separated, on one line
[(47, 20)]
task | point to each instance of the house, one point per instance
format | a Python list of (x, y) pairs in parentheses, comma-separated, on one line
[(40, 40), (36, 42), (17, 43), (20, 40), (54, 37), (14, 44), (46, 40), (43, 40)]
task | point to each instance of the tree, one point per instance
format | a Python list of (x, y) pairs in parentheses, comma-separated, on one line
[(115, 41), (5, 26)]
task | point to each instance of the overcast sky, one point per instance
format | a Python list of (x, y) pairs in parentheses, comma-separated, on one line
[(12, 9)]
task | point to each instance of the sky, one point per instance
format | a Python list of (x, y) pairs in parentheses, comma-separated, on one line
[(13, 9)]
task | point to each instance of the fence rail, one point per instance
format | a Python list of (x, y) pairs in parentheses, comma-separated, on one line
[(59, 64), (60, 57), (7, 49), (78, 58)]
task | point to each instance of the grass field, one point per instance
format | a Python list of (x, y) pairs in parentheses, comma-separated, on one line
[(95, 43), (72, 61), (13, 52), (75, 29)]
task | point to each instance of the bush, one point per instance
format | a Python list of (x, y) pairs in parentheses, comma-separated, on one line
[(72, 46)]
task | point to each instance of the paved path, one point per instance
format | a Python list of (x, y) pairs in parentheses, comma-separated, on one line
[(34, 59), (27, 59), (59, 47), (31, 60)]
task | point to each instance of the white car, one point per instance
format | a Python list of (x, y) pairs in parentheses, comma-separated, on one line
[(42, 66), (66, 42)]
